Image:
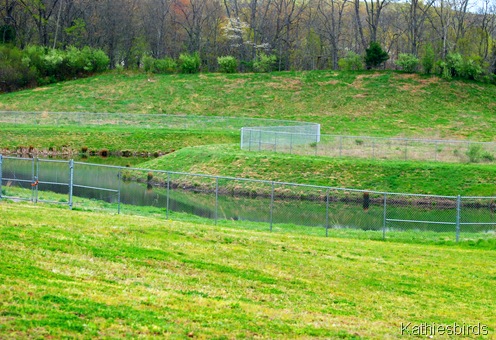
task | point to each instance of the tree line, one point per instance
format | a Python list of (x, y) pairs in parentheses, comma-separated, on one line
[(298, 34)]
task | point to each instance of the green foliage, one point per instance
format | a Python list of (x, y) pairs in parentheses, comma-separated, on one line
[(160, 66), (456, 66), (39, 65), (428, 61), (470, 69), (227, 64), (476, 154), (14, 73), (264, 63), (352, 62), (408, 62), (189, 63), (375, 55)]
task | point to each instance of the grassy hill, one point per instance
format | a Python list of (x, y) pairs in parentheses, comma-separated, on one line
[(87, 275), (393, 176), (363, 103)]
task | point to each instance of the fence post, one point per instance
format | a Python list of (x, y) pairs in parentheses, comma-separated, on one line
[(406, 149), (216, 198), (384, 220), (242, 137), (327, 213), (71, 182), (119, 178), (316, 146), (33, 181), (251, 141), (458, 211), (1, 176), (168, 190), (340, 145), (291, 143), (271, 205)]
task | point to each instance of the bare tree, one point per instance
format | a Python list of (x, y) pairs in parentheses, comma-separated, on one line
[(331, 20)]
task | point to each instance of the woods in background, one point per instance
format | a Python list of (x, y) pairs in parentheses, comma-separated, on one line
[(295, 34)]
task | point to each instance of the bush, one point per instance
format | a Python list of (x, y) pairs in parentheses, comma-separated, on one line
[(452, 66), (408, 62), (165, 66), (189, 63), (227, 64), (264, 63), (161, 66), (99, 60), (36, 65), (352, 62), (14, 72), (455, 66), (375, 55), (470, 70), (428, 60)]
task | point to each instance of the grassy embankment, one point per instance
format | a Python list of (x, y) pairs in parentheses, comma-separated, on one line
[(378, 103), (82, 274), (393, 176)]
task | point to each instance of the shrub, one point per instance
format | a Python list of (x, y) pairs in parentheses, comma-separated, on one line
[(14, 72), (455, 66), (452, 66), (99, 60), (165, 66), (408, 62), (474, 153), (264, 63), (470, 69), (227, 64), (352, 62), (428, 60), (375, 55), (148, 62), (189, 63)]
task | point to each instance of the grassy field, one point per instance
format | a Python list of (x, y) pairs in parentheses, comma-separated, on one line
[(368, 103), (115, 139), (84, 275)]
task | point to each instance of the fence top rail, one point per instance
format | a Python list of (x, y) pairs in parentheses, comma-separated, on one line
[(19, 158), (53, 160), (419, 195)]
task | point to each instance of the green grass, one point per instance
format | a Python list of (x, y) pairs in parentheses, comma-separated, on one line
[(357, 103), (85, 275), (115, 139), (392, 176)]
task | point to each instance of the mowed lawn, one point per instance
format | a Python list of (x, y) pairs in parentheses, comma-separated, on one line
[(87, 275)]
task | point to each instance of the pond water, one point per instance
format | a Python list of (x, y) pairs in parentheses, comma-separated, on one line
[(291, 205)]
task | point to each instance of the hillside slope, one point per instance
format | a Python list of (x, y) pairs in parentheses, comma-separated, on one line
[(365, 103)]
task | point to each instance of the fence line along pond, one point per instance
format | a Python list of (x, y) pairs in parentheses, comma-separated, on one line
[(238, 199)]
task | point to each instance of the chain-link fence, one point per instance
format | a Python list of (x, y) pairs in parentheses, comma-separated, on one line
[(263, 204), (142, 120), (285, 136), (301, 143)]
